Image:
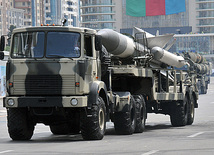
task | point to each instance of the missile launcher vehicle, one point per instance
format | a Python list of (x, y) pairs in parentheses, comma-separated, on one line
[(203, 70), (74, 80)]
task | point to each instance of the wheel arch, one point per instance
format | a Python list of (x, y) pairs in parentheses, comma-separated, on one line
[(98, 88)]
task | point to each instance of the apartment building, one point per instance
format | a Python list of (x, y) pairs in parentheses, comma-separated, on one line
[(9, 16), (99, 14), (205, 16), (70, 11)]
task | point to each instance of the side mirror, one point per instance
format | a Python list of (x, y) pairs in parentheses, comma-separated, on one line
[(1, 55), (2, 43), (98, 43)]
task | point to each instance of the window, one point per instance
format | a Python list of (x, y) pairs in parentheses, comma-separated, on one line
[(63, 44), (28, 45), (88, 46)]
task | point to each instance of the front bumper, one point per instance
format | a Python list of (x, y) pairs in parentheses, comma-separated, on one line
[(49, 101)]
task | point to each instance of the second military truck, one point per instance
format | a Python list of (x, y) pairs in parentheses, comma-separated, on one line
[(76, 79)]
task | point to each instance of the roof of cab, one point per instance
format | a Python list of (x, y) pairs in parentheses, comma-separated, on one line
[(55, 28)]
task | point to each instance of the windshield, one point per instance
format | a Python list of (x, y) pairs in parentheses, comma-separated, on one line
[(28, 45), (59, 45), (63, 44)]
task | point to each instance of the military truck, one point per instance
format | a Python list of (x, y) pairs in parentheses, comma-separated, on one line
[(203, 70), (75, 79)]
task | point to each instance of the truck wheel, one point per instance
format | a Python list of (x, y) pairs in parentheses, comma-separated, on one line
[(206, 83), (19, 126), (62, 129), (191, 111), (140, 114), (125, 122), (178, 113), (203, 90), (199, 88), (93, 125)]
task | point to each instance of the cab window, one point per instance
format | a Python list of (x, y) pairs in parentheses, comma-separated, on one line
[(88, 46)]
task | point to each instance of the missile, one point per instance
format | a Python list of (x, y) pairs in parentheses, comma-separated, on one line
[(122, 46), (168, 58), (116, 43), (195, 57)]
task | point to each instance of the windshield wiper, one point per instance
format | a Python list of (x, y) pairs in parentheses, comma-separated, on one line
[(58, 56)]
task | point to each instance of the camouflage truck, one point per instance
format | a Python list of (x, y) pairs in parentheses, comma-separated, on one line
[(74, 80), (203, 70)]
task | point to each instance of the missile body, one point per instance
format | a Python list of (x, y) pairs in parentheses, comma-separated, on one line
[(123, 47), (167, 57), (195, 57), (116, 43), (202, 68)]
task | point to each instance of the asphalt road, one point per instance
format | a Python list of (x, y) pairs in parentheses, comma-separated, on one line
[(159, 138)]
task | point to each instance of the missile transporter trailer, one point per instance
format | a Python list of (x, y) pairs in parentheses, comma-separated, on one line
[(203, 70), (76, 79)]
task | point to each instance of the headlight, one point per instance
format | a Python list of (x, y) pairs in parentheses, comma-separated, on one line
[(74, 101), (10, 102)]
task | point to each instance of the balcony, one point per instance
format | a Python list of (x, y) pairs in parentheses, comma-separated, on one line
[(205, 17), (98, 13), (204, 1), (97, 5), (27, 20), (205, 9), (98, 21), (24, 7), (205, 25), (22, 0)]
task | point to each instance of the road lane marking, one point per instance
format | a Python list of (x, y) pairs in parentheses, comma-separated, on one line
[(6, 151), (150, 152), (194, 135)]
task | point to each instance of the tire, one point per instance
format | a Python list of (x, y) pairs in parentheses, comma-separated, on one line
[(206, 83), (19, 125), (199, 87), (125, 122), (140, 114), (93, 125), (191, 111), (178, 113), (202, 90)]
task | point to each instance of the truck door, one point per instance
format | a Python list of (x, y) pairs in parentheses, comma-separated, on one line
[(91, 64)]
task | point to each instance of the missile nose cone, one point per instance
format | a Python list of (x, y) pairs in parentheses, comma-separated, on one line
[(109, 39), (116, 43)]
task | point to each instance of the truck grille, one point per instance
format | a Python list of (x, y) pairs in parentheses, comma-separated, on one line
[(44, 85)]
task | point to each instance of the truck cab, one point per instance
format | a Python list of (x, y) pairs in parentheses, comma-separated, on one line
[(52, 75)]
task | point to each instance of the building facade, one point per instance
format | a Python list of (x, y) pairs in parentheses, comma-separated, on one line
[(25, 5), (70, 11), (39, 12), (100, 14), (173, 20), (199, 15), (10, 16), (53, 12), (205, 16), (200, 43)]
